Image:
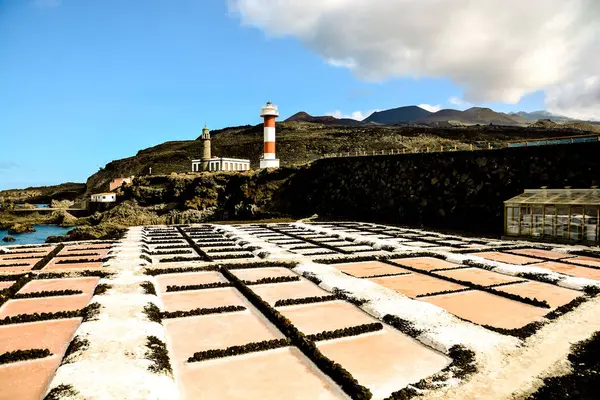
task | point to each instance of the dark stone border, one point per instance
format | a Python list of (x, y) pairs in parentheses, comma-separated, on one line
[(238, 350), (47, 293), (23, 355), (276, 279), (201, 286), (335, 371), (346, 332)]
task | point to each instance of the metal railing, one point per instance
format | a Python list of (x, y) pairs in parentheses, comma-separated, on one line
[(415, 150)]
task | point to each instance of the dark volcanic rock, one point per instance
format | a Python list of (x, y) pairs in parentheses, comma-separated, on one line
[(8, 239), (17, 228)]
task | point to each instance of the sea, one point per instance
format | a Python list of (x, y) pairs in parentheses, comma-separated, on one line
[(37, 237)]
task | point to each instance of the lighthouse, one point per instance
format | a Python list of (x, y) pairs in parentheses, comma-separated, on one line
[(205, 148), (269, 113)]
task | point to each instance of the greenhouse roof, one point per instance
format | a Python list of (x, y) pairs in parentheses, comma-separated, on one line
[(557, 196)]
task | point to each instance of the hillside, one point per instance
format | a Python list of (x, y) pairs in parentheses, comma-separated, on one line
[(301, 142), (326, 120), (43, 194), (398, 115)]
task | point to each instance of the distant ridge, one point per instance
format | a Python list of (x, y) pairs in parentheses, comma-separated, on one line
[(400, 115), (542, 115), (415, 115), (326, 120)]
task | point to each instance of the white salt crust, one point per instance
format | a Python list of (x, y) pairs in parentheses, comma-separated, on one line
[(114, 365), (116, 353)]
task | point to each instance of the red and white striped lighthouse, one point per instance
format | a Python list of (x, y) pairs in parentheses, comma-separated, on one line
[(269, 113)]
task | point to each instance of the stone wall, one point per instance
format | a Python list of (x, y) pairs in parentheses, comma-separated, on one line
[(461, 191)]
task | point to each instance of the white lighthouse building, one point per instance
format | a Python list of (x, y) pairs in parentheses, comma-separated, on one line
[(269, 113), (213, 163)]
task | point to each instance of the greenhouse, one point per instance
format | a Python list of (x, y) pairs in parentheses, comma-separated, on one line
[(562, 215)]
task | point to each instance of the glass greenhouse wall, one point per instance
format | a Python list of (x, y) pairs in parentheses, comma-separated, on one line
[(563, 215)]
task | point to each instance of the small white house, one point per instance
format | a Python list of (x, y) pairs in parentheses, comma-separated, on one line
[(104, 197)]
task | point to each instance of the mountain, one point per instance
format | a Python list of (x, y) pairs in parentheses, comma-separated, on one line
[(325, 120), (472, 116), (399, 115), (542, 115)]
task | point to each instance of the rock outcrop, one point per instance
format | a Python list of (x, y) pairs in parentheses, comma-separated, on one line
[(19, 228)]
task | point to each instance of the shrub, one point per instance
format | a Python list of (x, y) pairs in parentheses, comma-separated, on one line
[(570, 306), (14, 265), (77, 344), (344, 260), (91, 248), (170, 252), (463, 361), (101, 289), (312, 277), (178, 270), (47, 293), (86, 313), (237, 350), (305, 300), (344, 332), (443, 292), (538, 277), (91, 312), (153, 312), (343, 295), (212, 285), (171, 247), (21, 355), (592, 290), (61, 392), (158, 354), (80, 255), (316, 253), (228, 250), (201, 311), (146, 258), (180, 259), (522, 333), (20, 258), (384, 275), (148, 288), (81, 261), (402, 325), (276, 279), (311, 246), (232, 256), (84, 273)]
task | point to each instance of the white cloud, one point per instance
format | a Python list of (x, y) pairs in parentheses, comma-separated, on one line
[(430, 108), (357, 115), (459, 103), (495, 50), (46, 3)]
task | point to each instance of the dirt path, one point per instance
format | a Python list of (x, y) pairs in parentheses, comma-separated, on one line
[(516, 374)]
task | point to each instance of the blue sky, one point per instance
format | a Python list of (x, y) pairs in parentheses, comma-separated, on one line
[(84, 82)]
